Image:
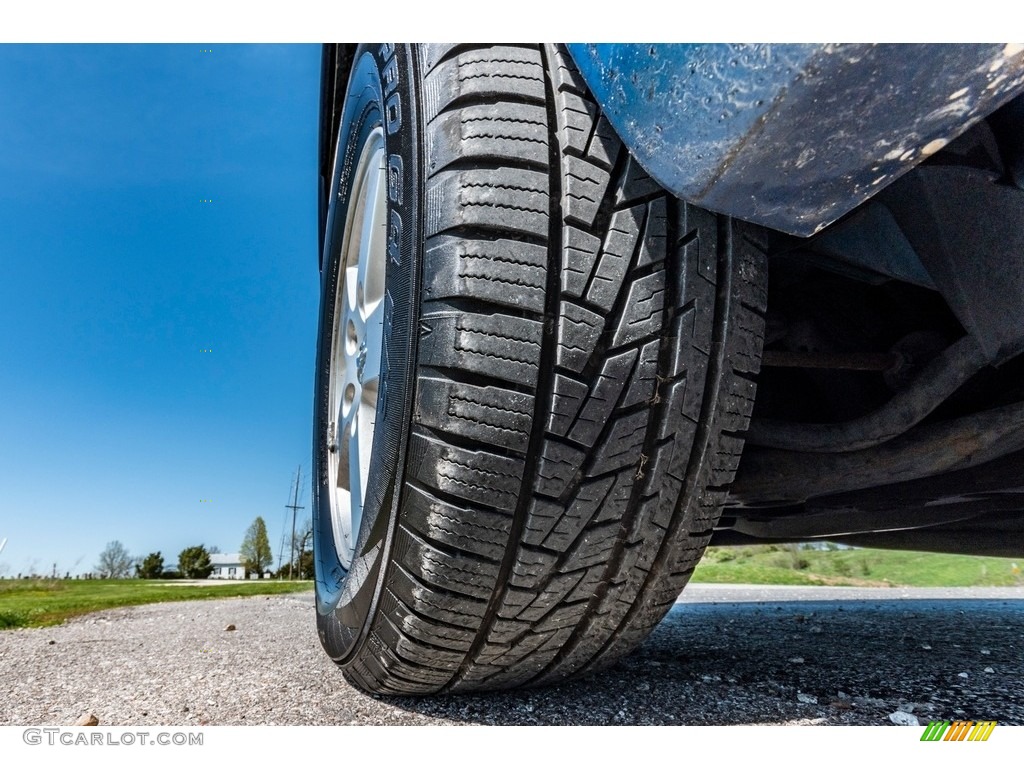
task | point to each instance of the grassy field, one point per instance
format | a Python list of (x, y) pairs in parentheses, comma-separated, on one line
[(789, 564), (44, 602)]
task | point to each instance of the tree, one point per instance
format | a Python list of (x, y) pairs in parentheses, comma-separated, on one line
[(115, 562), (255, 551), (301, 554), (151, 566), (194, 562), (304, 569)]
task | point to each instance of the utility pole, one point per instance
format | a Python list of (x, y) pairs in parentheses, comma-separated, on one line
[(294, 507), (280, 552)]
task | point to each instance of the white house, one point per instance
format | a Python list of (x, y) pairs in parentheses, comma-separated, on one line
[(227, 567)]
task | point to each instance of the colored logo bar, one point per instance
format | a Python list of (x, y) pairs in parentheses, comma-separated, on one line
[(958, 730)]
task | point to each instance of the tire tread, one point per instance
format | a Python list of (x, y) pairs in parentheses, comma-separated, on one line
[(588, 348)]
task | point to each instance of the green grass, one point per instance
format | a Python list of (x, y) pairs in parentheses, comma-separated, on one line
[(45, 602), (789, 564)]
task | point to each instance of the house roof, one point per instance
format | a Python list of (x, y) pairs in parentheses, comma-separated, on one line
[(219, 559)]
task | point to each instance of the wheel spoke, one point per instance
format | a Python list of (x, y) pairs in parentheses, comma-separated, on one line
[(349, 395), (372, 237), (374, 340), (354, 469), (345, 427), (349, 303), (368, 413)]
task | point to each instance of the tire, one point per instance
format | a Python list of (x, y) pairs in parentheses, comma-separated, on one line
[(567, 365)]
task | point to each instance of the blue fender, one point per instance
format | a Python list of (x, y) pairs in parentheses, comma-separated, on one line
[(792, 136)]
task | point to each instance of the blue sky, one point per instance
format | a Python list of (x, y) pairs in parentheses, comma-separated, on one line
[(115, 276)]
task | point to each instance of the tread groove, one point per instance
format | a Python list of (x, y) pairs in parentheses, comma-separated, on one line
[(544, 384)]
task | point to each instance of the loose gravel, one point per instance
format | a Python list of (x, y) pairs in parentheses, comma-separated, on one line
[(726, 656)]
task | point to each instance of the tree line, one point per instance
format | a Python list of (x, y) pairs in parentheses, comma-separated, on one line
[(193, 562), (116, 563)]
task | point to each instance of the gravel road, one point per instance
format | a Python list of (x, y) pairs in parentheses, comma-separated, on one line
[(723, 655)]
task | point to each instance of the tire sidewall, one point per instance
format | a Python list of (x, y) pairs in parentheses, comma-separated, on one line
[(380, 92)]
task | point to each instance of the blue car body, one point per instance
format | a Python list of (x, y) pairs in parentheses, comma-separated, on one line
[(792, 137)]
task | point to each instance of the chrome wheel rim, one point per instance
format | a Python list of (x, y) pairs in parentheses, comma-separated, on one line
[(356, 342)]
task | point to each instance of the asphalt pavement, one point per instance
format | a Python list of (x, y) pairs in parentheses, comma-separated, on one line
[(724, 655)]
